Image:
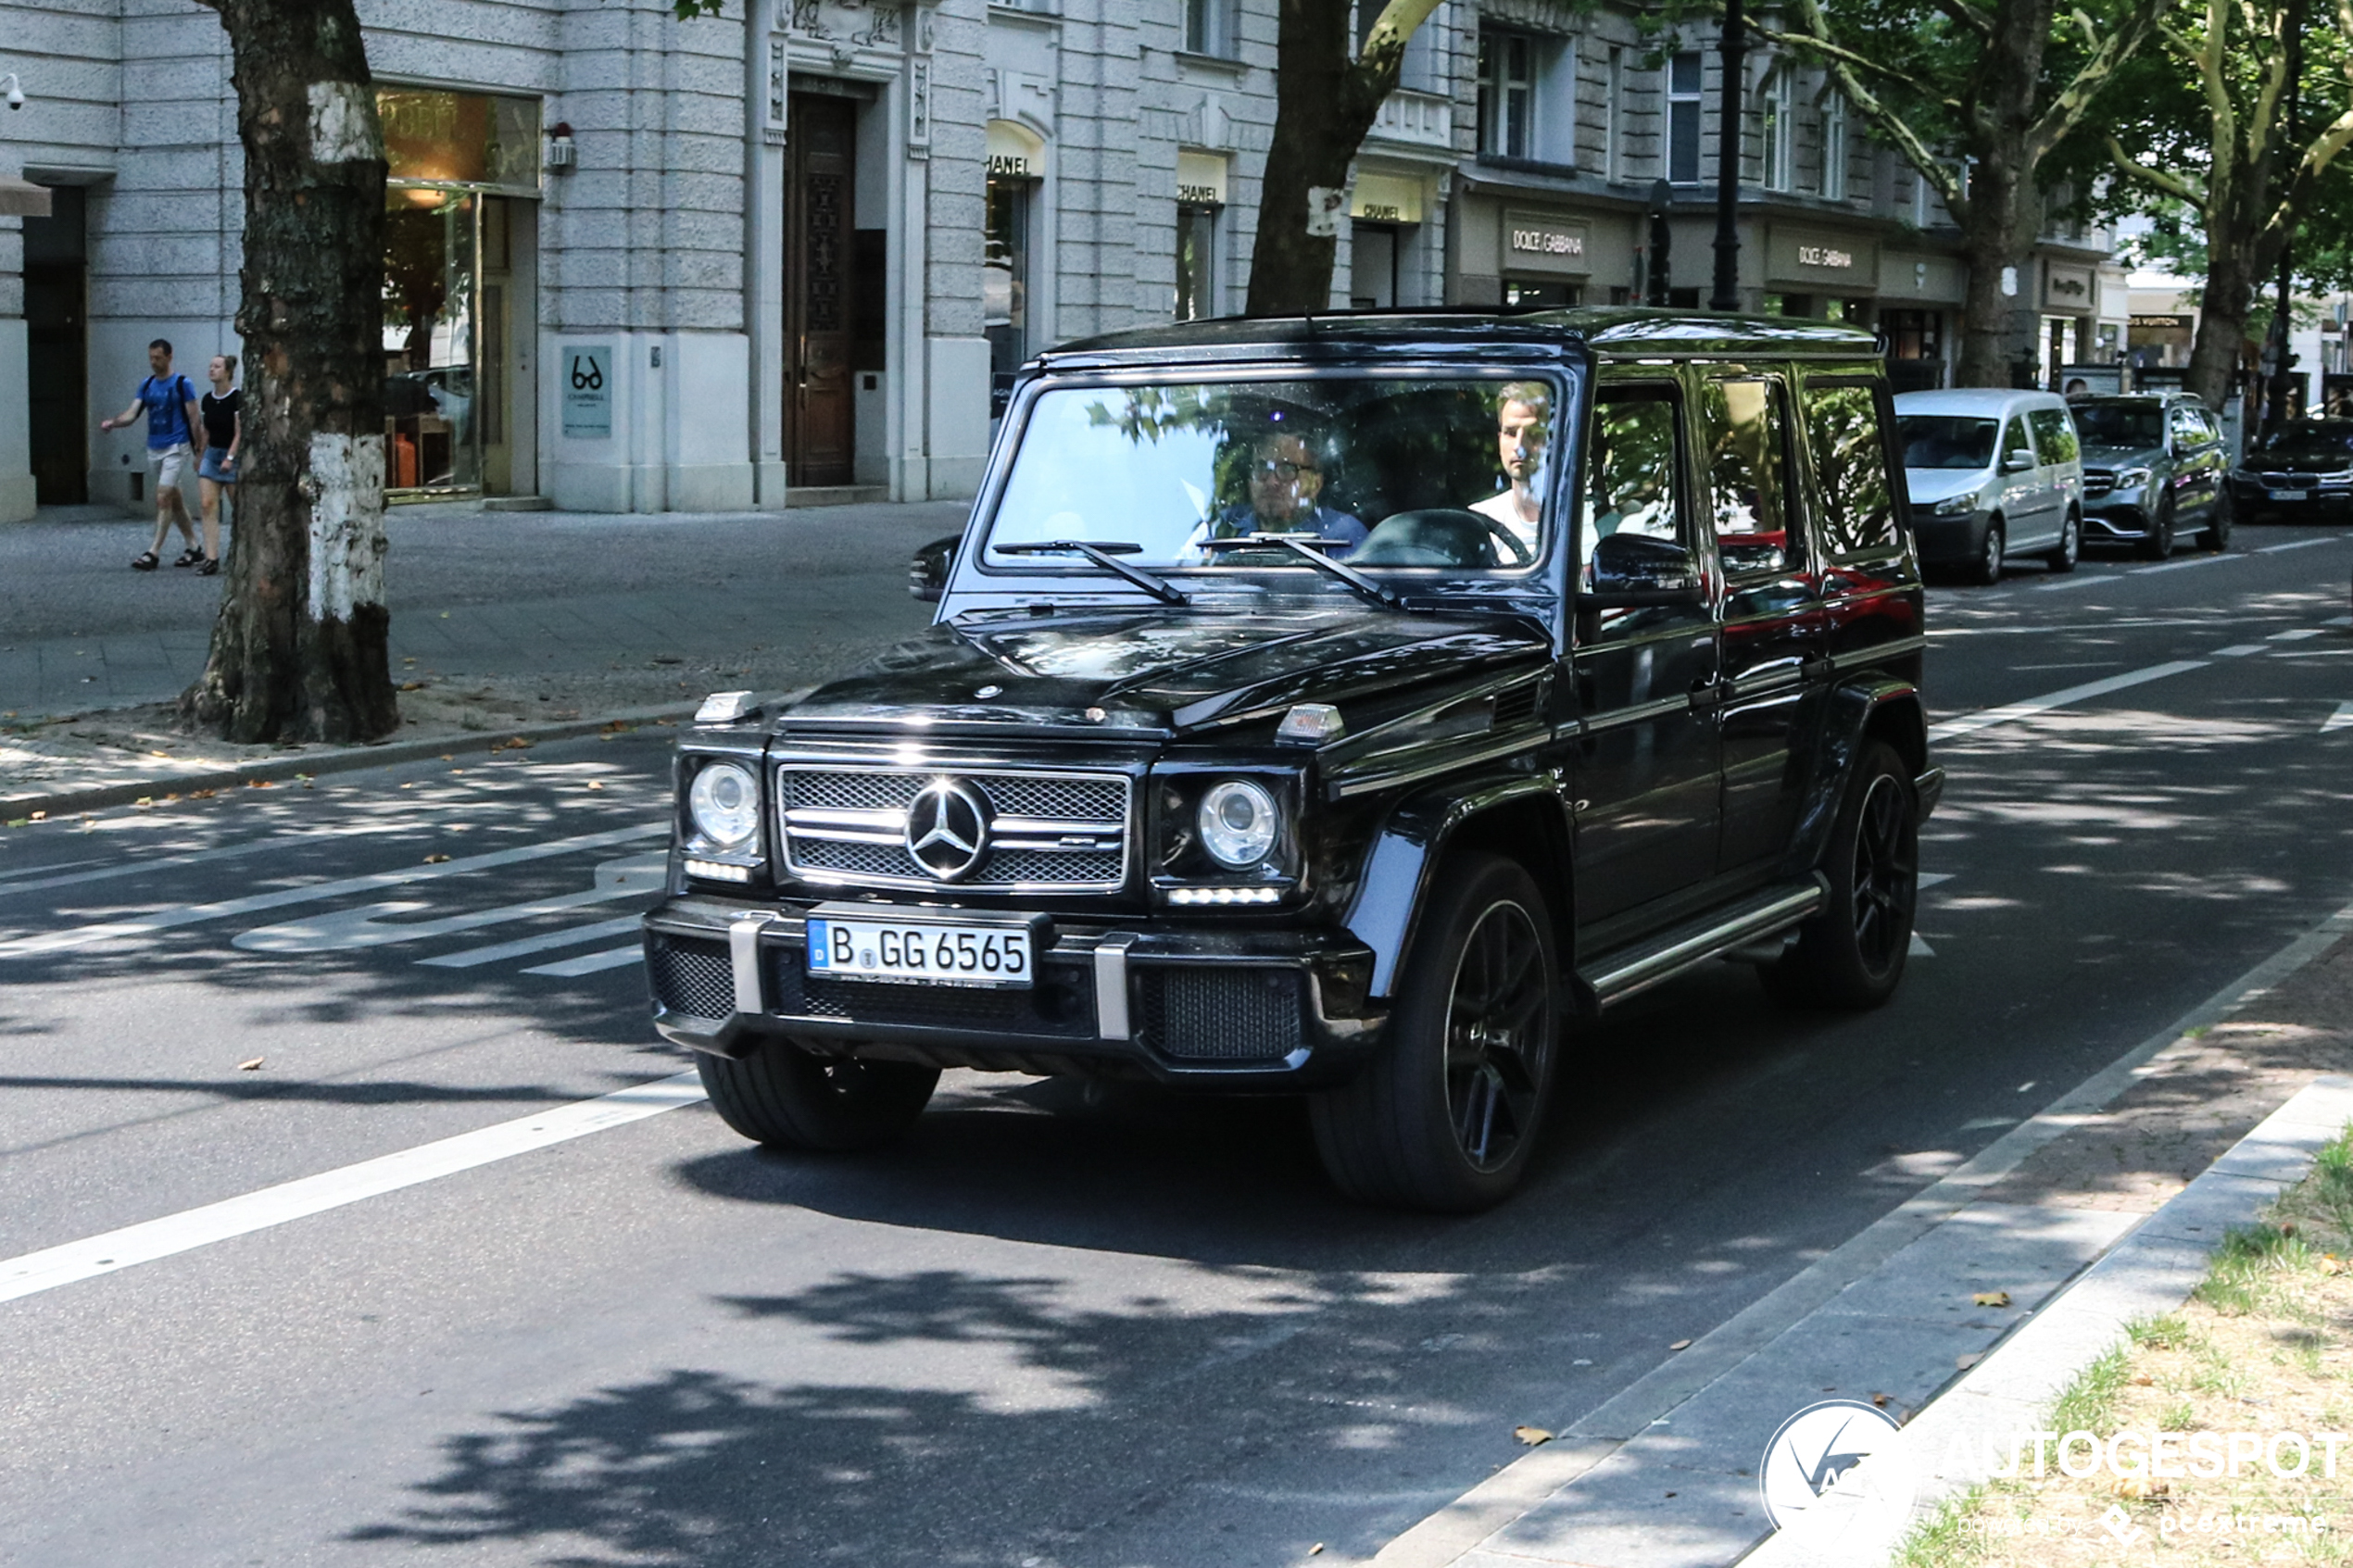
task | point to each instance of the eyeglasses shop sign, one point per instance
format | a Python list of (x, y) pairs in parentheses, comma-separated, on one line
[(1536, 243)]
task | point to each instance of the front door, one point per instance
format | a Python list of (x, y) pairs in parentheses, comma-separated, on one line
[(820, 209), (1647, 767), (57, 349)]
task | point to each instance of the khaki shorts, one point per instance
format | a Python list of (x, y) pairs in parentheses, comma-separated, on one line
[(170, 464)]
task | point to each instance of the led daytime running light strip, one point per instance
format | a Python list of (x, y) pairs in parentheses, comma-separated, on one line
[(714, 871), (1225, 895)]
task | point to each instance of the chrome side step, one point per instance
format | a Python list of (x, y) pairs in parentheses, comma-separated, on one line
[(1627, 971)]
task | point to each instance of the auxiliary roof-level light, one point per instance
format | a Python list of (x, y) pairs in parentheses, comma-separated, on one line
[(724, 708), (1310, 724)]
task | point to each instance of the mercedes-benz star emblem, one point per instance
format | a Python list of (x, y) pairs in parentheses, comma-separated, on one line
[(947, 829)]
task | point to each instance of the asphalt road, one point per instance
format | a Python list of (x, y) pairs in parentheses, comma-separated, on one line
[(1051, 1329)]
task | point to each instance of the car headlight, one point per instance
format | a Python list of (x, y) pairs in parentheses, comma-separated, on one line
[(2131, 479), (1238, 824), (1955, 505), (725, 803)]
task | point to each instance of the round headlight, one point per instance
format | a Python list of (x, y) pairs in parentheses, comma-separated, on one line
[(1239, 823), (725, 802)]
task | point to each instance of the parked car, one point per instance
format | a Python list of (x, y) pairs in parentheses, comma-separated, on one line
[(1343, 708), (1993, 474), (2301, 472), (2154, 466)]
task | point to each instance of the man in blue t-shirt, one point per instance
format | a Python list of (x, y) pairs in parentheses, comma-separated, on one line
[(169, 402)]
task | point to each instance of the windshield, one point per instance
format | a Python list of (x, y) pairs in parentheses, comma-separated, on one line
[(1946, 440), (2315, 447), (2121, 425), (1450, 473)]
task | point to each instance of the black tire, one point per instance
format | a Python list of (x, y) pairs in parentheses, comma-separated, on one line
[(785, 1098), (1445, 1117), (1851, 954), (2071, 545), (2216, 535), (1986, 569), (2158, 544)]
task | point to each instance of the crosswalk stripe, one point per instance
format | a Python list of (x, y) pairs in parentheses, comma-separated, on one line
[(591, 963), (572, 935), (2340, 719)]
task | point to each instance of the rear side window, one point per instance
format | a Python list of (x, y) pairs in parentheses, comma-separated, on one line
[(1850, 465), (2054, 433), (1744, 425)]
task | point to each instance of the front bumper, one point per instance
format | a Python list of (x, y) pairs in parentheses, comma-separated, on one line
[(1944, 540), (2309, 503), (1221, 1007), (2122, 518)]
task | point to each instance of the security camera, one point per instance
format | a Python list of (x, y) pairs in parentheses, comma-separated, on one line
[(15, 92)]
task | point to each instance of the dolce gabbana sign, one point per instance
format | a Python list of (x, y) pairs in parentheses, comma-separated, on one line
[(1846, 263), (1535, 242)]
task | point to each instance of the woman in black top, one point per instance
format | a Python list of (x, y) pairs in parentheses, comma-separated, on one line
[(224, 431)]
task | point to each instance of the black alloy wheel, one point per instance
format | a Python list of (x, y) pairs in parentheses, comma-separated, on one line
[(1445, 1117), (2157, 542), (787, 1097), (1987, 568), (2220, 513), (2071, 546), (1851, 955)]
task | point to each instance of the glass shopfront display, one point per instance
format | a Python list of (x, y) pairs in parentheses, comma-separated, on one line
[(457, 162)]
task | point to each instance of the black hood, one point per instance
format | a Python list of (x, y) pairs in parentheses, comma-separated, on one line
[(1159, 672)]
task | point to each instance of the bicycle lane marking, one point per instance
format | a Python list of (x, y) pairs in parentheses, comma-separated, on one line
[(2010, 712)]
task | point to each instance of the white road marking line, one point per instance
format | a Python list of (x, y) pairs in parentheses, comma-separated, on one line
[(2240, 650), (2296, 635), (2179, 565), (311, 893), (1931, 878), (2338, 620), (2009, 713), (2081, 580), (365, 926), (2293, 545), (592, 963), (1919, 949), (572, 935), (2340, 719), (58, 876), (46, 1270)]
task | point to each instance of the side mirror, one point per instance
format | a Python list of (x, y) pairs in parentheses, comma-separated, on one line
[(2017, 462), (927, 569), (1634, 568)]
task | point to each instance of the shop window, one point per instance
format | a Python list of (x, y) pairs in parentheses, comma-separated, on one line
[(1005, 283), (432, 438), (1850, 467), (1743, 428), (1789, 305), (1777, 129), (1683, 77), (1196, 261), (1209, 28), (1834, 145), (1913, 335), (1541, 296)]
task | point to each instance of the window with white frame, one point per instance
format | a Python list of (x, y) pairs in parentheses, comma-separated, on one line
[(1778, 125), (1683, 77), (1209, 26), (1420, 70), (1506, 94), (1834, 145)]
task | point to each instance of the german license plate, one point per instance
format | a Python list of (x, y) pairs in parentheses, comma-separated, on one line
[(2288, 494), (916, 953)]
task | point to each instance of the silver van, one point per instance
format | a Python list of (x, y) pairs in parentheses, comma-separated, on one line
[(1993, 474)]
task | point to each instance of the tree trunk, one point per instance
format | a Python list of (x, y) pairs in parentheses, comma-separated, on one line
[(1990, 243), (1999, 184), (1325, 101), (2222, 321), (298, 650)]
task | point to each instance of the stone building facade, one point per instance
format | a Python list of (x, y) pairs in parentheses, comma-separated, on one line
[(794, 254)]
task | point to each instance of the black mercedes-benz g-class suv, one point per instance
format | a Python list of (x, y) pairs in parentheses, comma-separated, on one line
[(1345, 707)]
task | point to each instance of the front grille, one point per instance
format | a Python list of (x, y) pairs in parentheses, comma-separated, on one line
[(692, 975), (1061, 1004), (1199, 1013), (1058, 831), (1517, 705), (2097, 482)]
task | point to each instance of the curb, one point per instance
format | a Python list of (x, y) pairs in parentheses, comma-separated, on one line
[(2150, 1271), (326, 760)]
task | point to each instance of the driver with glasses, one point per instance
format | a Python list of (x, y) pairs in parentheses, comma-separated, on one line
[(1285, 476)]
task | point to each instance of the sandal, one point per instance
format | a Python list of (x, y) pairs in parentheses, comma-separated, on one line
[(146, 560), (189, 557), (211, 567)]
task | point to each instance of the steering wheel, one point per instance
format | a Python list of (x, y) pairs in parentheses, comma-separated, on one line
[(1520, 554)]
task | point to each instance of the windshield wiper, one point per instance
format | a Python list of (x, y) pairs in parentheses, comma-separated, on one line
[(1298, 544), (1106, 555)]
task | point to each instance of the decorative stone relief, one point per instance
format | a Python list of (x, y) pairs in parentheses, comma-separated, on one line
[(918, 108)]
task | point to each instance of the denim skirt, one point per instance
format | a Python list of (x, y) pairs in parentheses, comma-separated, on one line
[(214, 466)]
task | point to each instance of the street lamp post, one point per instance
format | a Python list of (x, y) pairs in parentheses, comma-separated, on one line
[(1726, 295)]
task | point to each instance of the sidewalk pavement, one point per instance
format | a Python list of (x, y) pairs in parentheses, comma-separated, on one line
[(1664, 1474), (504, 622)]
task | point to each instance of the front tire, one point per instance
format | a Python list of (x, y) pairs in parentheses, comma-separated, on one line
[(2071, 545), (2157, 544), (786, 1098), (1445, 1117), (1986, 569), (1851, 954), (2216, 535)]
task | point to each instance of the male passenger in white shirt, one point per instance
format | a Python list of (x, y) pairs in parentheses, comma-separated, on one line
[(1523, 426)]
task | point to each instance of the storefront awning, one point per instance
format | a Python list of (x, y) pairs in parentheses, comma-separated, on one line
[(22, 198)]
